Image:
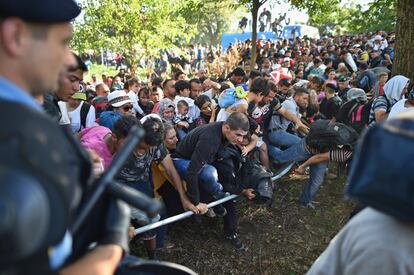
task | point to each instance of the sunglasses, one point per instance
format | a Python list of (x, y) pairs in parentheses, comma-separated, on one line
[(127, 108)]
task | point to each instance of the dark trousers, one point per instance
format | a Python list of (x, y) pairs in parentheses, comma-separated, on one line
[(225, 170), (230, 220)]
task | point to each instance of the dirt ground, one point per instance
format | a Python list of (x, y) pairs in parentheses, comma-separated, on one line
[(286, 239)]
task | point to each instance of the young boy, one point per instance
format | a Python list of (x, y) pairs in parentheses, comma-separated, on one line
[(183, 89), (136, 173), (182, 120), (144, 102)]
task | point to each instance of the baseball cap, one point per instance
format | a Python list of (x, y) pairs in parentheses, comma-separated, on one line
[(356, 93), (79, 95), (118, 98), (40, 11), (343, 78), (286, 59), (378, 37), (331, 86)]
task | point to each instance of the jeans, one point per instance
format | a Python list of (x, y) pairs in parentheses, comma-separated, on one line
[(207, 176), (299, 152), (181, 133), (282, 139), (317, 175), (210, 186)]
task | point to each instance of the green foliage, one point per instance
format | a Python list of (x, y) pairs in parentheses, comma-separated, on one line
[(380, 15), (211, 18), (134, 27), (354, 18)]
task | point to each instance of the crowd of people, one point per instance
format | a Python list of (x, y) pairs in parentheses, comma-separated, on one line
[(261, 113), (212, 133)]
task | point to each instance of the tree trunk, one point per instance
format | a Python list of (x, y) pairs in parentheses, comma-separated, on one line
[(211, 34), (404, 54), (255, 10)]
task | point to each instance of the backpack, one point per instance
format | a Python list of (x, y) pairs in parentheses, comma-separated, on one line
[(253, 175), (268, 116), (358, 116), (84, 113), (325, 135), (229, 96)]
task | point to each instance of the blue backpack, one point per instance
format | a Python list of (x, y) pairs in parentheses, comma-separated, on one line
[(229, 96)]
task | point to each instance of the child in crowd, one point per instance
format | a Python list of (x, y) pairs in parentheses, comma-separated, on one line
[(182, 120), (183, 90), (144, 102)]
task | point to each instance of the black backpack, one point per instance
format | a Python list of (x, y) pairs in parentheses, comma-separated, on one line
[(268, 116), (325, 135), (358, 116), (84, 113)]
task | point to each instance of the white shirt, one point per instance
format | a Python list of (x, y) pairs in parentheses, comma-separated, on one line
[(193, 110), (96, 83), (64, 120), (398, 108), (75, 118), (224, 113), (370, 243), (134, 98)]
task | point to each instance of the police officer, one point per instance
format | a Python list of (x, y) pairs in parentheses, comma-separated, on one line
[(43, 172)]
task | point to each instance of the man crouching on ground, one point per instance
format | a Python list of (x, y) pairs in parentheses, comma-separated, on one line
[(194, 160)]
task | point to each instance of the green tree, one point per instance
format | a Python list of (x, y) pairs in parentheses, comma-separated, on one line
[(355, 18), (211, 18), (379, 15), (404, 54), (134, 27)]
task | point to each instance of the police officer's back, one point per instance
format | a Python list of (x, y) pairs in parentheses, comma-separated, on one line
[(43, 172)]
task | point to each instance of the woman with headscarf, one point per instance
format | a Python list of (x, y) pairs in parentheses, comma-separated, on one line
[(394, 90), (208, 110), (166, 110)]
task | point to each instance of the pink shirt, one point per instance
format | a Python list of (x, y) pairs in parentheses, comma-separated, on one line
[(93, 138)]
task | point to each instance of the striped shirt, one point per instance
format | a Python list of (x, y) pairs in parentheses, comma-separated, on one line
[(337, 155), (380, 103)]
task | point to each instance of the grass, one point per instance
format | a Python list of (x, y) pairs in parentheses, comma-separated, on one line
[(286, 239), (99, 70)]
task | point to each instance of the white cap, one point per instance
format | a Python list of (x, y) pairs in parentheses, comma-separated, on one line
[(356, 46), (377, 37), (118, 98)]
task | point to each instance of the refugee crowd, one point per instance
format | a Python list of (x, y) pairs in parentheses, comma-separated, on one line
[(201, 128), (215, 128)]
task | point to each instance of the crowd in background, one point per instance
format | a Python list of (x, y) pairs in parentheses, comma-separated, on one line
[(196, 105)]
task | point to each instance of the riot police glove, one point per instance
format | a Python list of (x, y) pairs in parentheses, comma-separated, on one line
[(116, 224)]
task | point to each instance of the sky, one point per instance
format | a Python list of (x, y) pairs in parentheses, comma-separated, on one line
[(296, 16)]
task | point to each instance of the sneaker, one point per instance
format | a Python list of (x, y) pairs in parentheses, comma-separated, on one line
[(313, 205), (219, 211), (210, 213), (221, 195), (236, 242)]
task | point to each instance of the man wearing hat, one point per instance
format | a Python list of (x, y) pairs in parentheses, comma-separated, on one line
[(366, 78), (343, 87), (375, 60), (120, 102), (81, 113), (330, 105), (43, 171)]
